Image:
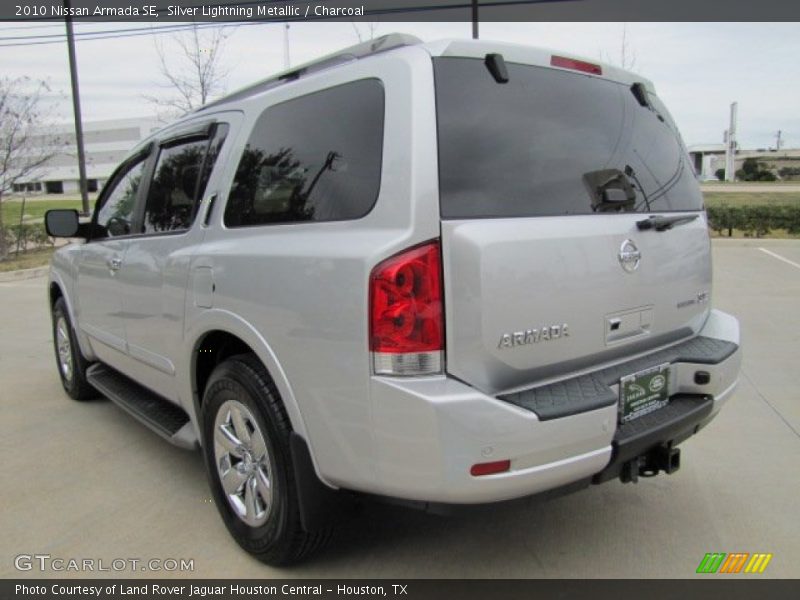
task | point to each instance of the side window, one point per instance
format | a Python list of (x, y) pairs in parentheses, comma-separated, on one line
[(314, 158), (115, 216), (174, 193)]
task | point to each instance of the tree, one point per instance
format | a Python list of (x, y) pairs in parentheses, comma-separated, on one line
[(194, 75), (24, 148), (720, 174), (789, 172), (752, 170)]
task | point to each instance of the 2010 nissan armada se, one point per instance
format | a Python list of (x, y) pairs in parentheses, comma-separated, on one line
[(451, 273)]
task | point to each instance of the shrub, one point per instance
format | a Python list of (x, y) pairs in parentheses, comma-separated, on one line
[(26, 237), (755, 220)]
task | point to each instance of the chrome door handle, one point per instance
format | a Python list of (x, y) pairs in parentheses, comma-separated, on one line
[(114, 263)]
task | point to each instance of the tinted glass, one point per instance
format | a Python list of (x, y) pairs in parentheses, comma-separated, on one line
[(315, 158), (551, 142), (115, 216), (174, 191)]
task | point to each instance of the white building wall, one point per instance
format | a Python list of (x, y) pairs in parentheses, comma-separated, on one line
[(106, 144)]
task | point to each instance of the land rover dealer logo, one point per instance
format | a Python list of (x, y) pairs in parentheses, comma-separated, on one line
[(657, 383), (629, 256)]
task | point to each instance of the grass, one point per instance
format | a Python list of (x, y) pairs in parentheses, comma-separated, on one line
[(34, 209), (30, 260), (751, 198)]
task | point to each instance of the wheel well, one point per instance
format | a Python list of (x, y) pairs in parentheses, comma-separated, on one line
[(55, 293), (212, 349)]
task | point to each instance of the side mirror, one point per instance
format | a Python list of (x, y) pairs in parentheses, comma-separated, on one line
[(62, 222)]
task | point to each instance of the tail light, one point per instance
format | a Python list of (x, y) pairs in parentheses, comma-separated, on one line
[(406, 313)]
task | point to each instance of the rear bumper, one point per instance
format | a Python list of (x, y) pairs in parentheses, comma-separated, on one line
[(428, 432)]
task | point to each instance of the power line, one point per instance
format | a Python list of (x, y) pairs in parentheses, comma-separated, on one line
[(24, 28), (91, 36), (105, 34)]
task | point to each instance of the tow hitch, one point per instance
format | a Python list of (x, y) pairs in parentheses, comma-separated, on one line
[(662, 458)]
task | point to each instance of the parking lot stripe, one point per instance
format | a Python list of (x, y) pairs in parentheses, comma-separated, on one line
[(779, 257)]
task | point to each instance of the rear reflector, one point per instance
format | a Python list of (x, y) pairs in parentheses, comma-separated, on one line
[(498, 466), (576, 65), (406, 313)]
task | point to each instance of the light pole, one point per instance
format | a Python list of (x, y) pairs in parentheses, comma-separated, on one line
[(730, 146), (76, 108), (286, 61)]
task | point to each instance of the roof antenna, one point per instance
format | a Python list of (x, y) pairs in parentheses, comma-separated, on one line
[(474, 19)]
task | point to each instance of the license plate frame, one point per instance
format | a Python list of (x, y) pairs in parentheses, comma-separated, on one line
[(643, 392)]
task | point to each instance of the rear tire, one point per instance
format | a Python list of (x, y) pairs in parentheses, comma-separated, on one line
[(70, 362), (249, 464)]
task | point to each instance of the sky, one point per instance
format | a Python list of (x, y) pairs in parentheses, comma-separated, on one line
[(698, 68)]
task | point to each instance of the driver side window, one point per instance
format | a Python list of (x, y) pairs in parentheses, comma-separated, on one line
[(115, 216)]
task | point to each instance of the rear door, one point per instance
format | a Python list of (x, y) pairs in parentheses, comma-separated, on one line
[(543, 181), (169, 228)]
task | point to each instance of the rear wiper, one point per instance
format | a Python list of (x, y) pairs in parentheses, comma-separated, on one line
[(662, 223)]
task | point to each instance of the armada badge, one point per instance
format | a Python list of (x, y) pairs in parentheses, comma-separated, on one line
[(533, 336)]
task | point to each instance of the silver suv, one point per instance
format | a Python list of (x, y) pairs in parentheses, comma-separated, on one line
[(450, 273)]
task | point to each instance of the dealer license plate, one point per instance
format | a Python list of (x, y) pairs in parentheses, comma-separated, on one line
[(643, 392)]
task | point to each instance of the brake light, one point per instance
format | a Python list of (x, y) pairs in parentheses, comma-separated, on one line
[(406, 313), (576, 65)]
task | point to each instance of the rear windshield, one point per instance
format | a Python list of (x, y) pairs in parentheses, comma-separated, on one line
[(550, 142)]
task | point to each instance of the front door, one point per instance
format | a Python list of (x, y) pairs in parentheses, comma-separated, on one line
[(102, 258)]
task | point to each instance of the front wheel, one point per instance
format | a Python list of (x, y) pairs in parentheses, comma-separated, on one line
[(246, 449), (69, 360)]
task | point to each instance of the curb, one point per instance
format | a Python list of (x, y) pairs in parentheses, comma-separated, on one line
[(23, 274)]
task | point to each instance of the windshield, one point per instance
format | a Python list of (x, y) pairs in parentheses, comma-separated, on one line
[(552, 142)]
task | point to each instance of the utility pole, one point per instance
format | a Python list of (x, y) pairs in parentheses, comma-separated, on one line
[(76, 108), (730, 146), (286, 61), (474, 19), (778, 141)]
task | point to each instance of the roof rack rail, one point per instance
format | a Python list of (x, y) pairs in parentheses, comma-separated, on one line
[(362, 50)]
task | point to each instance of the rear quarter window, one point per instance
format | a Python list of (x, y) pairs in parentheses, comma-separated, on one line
[(313, 158)]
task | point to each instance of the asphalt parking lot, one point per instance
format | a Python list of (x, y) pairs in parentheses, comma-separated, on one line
[(84, 480)]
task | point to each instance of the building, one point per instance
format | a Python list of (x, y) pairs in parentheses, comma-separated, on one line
[(106, 143), (708, 158)]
